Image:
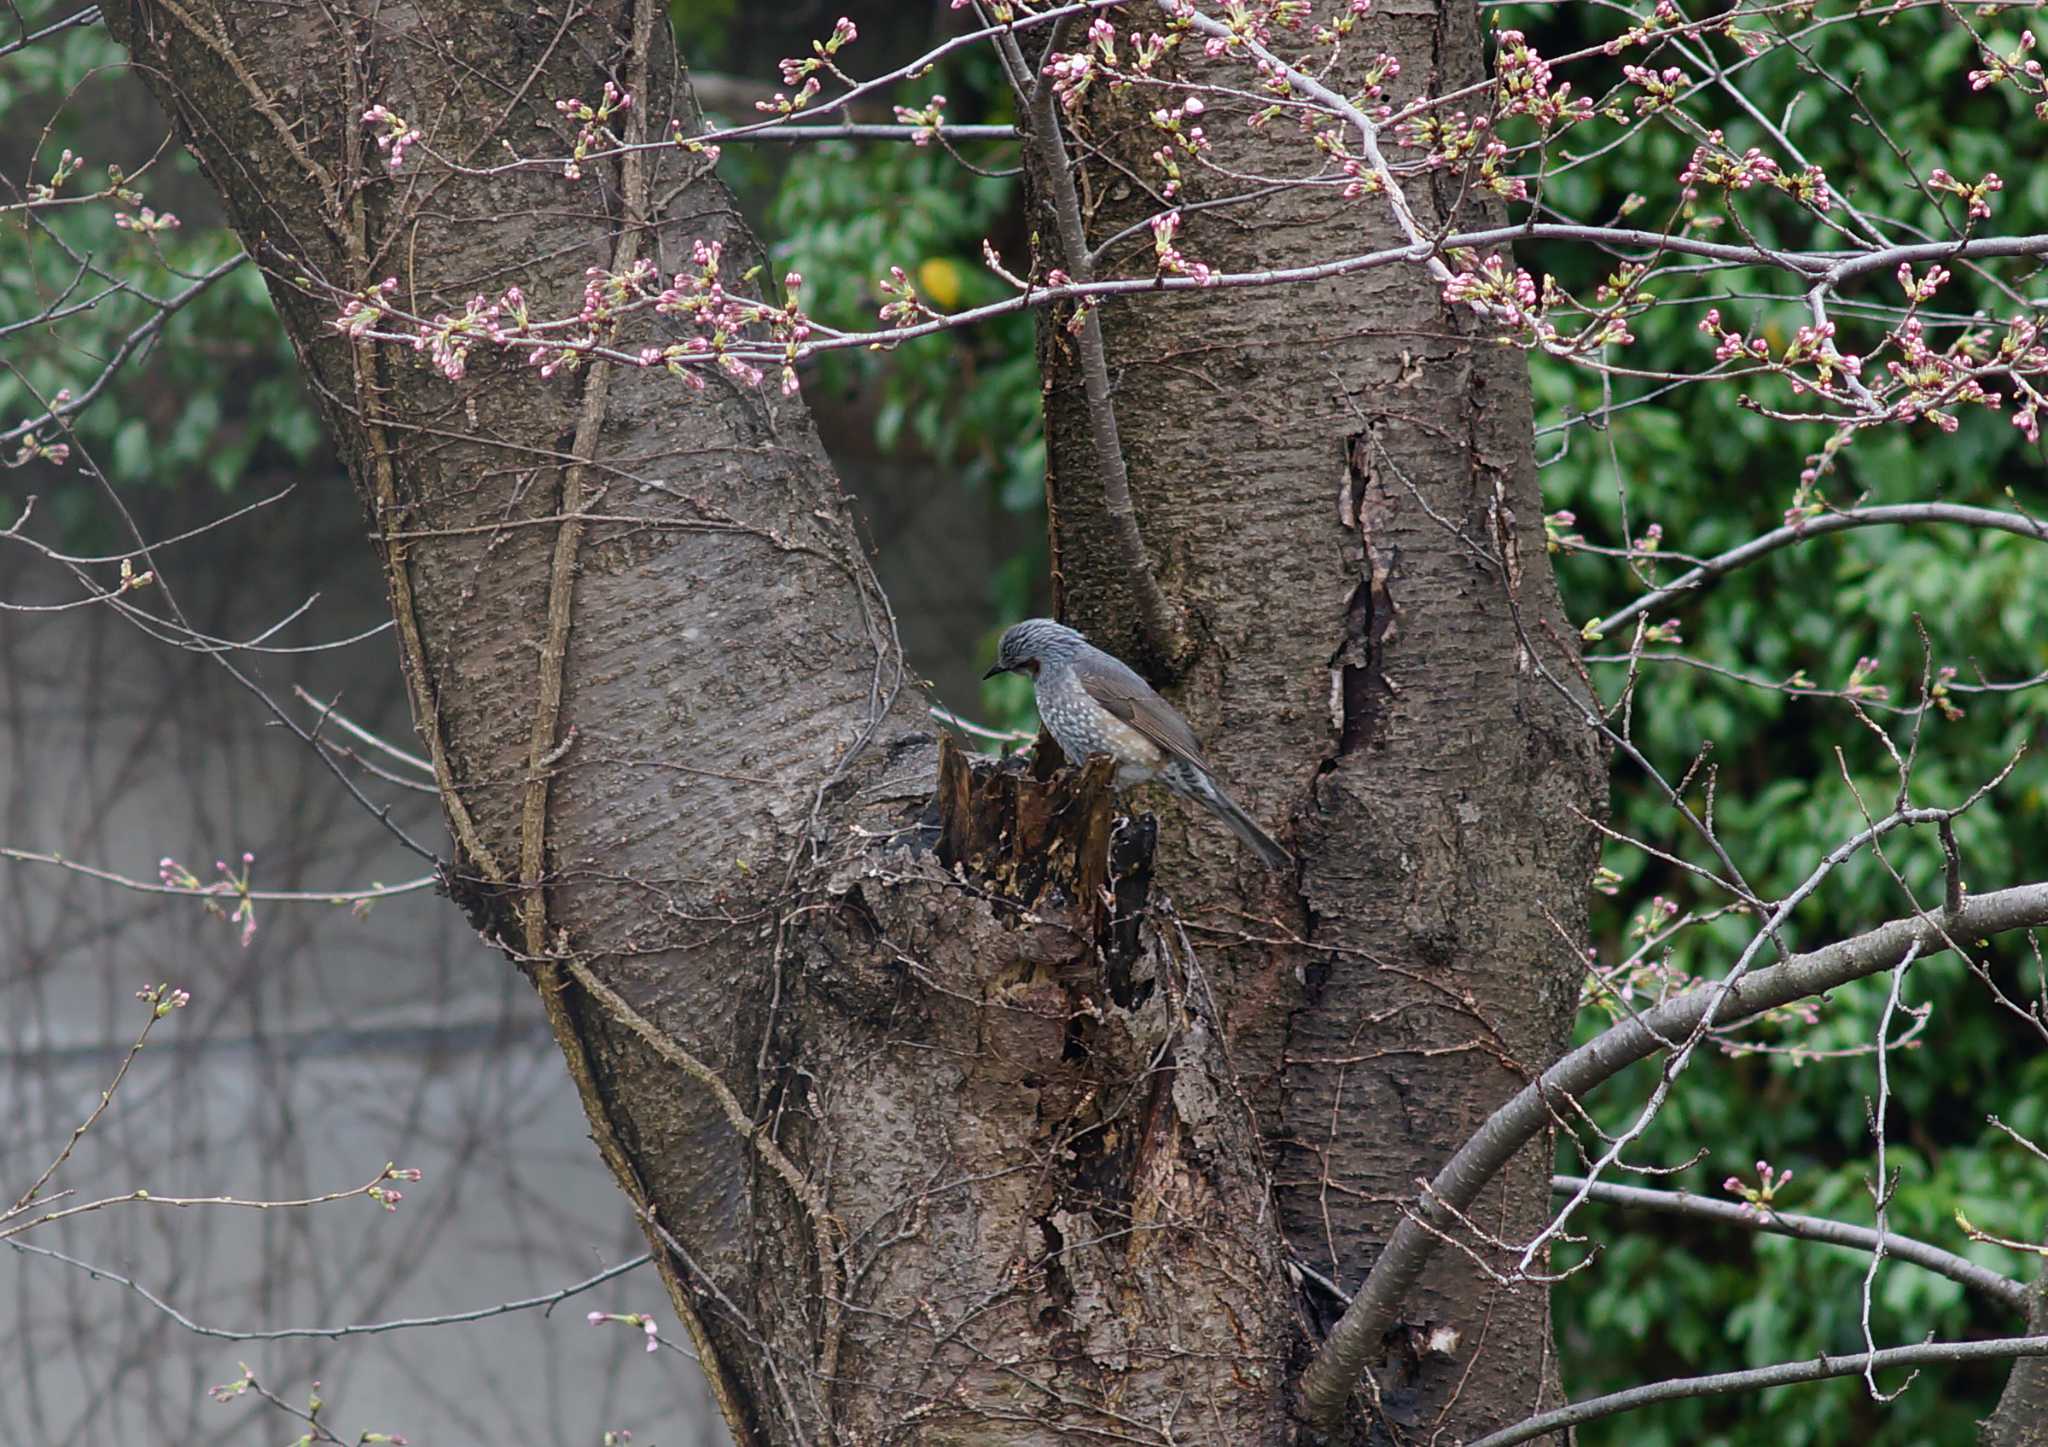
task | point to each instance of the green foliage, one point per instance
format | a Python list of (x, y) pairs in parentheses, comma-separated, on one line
[(843, 215), (215, 394), (969, 398), (1669, 1298)]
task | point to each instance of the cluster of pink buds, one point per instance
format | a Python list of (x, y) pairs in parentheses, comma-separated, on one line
[(1814, 347), (721, 319), (1666, 16), (1935, 381), (1181, 138), (147, 221), (1808, 186), (517, 319), (176, 876), (2014, 63), (162, 999), (34, 449), (1646, 975), (364, 310), (1169, 257), (595, 132), (228, 1391), (1074, 73), (447, 339), (638, 1320), (1363, 180), (1942, 694), (1859, 684), (1809, 363), (1491, 288), (1652, 920), (1731, 345), (902, 308), (1661, 89), (395, 135), (1925, 287), (927, 118), (607, 295), (2021, 353), (1751, 41), (1758, 1198), (1715, 165), (1334, 29), (1450, 139), (802, 71), (795, 70), (67, 166), (1491, 176), (1556, 535), (1245, 24), (1523, 84), (1976, 195), (386, 1197)]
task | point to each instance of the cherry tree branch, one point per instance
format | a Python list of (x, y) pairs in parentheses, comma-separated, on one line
[(1959, 1269), (1757, 1379), (1863, 517), (1804, 264), (130, 344), (90, 15), (11, 1225), (1328, 1382), (1421, 248), (364, 1328), (865, 131), (266, 896)]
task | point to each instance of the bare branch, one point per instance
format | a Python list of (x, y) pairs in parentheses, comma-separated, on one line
[(360, 1328), (1863, 517), (1757, 1379), (130, 344), (1959, 1269), (1329, 1379)]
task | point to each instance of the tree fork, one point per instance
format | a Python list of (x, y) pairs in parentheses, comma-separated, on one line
[(953, 1139)]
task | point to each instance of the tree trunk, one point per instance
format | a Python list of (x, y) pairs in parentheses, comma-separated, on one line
[(1336, 488), (932, 1124), (2021, 1418)]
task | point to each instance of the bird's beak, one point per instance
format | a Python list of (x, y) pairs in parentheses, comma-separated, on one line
[(998, 668)]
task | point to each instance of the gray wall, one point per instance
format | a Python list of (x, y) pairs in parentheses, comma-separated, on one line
[(333, 1043)]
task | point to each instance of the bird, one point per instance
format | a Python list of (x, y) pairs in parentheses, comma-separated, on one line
[(1091, 702)]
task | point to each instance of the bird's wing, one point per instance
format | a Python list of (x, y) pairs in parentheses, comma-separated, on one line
[(1112, 684)]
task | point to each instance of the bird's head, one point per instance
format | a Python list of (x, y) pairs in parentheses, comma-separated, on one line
[(1034, 642)]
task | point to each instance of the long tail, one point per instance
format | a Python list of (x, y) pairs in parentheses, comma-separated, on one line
[(1210, 795)]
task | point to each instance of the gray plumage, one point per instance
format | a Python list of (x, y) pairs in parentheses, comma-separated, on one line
[(1092, 703)]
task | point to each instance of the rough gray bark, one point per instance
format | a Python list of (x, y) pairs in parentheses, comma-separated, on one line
[(2021, 1419), (1335, 483), (933, 1141)]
